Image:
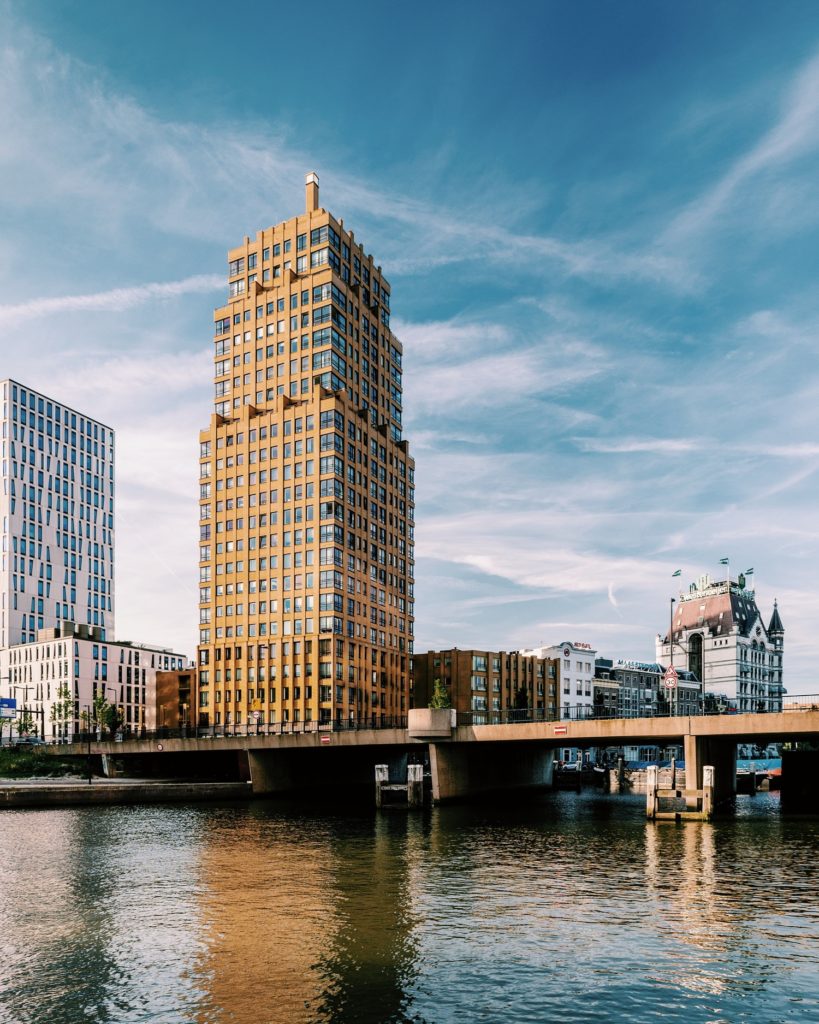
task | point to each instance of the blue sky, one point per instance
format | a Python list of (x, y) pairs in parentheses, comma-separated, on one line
[(600, 224)]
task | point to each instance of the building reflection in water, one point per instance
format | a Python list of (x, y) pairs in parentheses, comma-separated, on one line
[(373, 961), (84, 935), (710, 884), (306, 919)]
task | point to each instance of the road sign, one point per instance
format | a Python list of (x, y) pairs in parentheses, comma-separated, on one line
[(8, 707), (326, 739), (561, 730), (671, 677), (256, 705), (257, 715)]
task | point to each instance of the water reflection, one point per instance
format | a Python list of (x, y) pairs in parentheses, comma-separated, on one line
[(563, 907), (268, 903), (371, 964)]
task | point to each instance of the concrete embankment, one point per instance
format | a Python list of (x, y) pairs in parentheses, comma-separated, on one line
[(74, 793)]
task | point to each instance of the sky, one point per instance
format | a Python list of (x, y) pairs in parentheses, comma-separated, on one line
[(599, 222)]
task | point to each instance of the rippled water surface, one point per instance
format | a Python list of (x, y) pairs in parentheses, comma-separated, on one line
[(564, 908)]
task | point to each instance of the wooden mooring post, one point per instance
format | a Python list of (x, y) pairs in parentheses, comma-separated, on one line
[(699, 802), (382, 778)]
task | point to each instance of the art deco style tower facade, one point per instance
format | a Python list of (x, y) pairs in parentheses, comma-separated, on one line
[(306, 488)]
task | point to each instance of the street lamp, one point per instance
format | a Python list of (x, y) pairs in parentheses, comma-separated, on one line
[(671, 654), (88, 739)]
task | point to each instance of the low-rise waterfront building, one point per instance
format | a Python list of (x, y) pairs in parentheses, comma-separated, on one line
[(642, 691), (175, 700), (487, 683), (576, 674), (57, 678)]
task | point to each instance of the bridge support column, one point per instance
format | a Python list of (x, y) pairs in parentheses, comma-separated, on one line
[(800, 770), (463, 770), (270, 771), (722, 754)]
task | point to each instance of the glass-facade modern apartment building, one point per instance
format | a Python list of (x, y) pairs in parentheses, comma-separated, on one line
[(306, 488), (57, 516)]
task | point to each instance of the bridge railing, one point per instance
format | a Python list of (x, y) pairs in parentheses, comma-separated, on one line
[(509, 716), (246, 729), (586, 713)]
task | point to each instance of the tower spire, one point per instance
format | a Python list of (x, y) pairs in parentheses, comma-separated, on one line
[(311, 192)]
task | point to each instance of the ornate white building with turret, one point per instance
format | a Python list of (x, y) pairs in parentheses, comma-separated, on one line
[(718, 633)]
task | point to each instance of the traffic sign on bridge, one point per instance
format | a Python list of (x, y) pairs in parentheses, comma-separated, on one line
[(671, 677)]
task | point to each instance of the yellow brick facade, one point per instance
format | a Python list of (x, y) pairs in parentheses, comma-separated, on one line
[(306, 489)]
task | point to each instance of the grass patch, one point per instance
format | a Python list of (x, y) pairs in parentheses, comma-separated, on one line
[(29, 764)]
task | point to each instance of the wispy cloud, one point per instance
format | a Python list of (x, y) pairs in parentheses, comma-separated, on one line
[(114, 299), (630, 446), (181, 178), (673, 446), (795, 134)]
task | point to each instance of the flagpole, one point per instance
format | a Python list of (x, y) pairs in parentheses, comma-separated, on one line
[(671, 648)]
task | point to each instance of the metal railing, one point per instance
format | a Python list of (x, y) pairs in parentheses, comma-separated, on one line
[(244, 730), (586, 713), (509, 716)]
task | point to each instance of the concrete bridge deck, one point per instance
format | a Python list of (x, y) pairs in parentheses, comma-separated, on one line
[(590, 732), (464, 759)]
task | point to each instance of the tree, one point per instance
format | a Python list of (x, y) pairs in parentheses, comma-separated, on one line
[(112, 717), (440, 696), (25, 723), (62, 710), (100, 708)]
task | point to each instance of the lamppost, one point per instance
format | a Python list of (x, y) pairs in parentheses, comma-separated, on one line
[(88, 739), (671, 655)]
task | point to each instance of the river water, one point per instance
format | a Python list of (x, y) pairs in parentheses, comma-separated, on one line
[(565, 908)]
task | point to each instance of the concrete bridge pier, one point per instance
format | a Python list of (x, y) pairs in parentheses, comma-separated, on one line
[(712, 750), (464, 770), (271, 771)]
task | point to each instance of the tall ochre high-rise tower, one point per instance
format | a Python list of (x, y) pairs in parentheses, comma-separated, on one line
[(306, 488)]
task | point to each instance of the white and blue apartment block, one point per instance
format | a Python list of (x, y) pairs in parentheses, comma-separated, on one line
[(57, 516)]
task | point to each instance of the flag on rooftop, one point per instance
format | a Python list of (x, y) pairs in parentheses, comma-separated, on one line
[(724, 561), (749, 572), (677, 573)]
